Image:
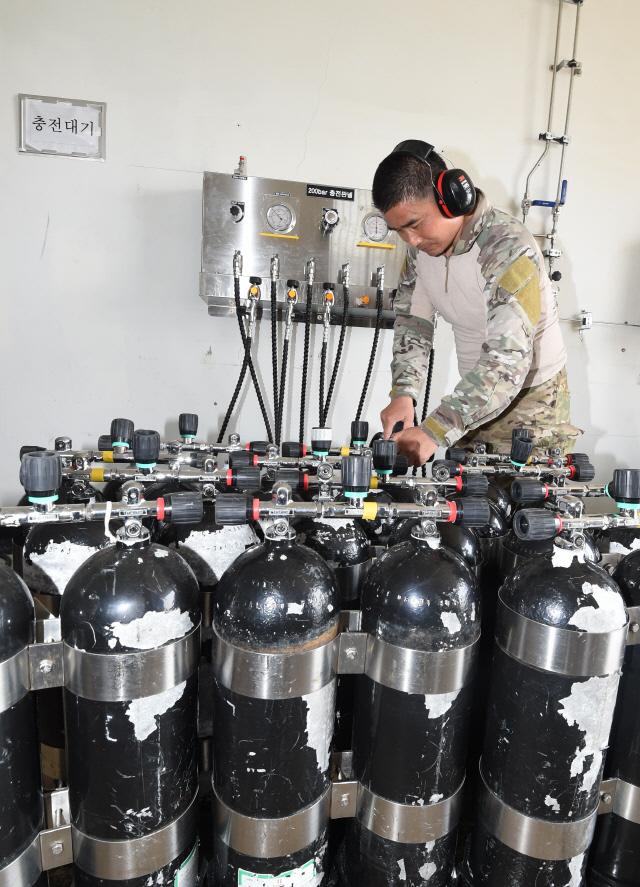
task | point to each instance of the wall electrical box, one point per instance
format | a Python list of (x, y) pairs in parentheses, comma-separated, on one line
[(334, 224)]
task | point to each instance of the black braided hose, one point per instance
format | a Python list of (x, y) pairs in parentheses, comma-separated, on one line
[(336, 364), (305, 360), (274, 352), (427, 395), (283, 376), (372, 357)]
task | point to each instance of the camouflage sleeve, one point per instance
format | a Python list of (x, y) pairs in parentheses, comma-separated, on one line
[(514, 309), (412, 333)]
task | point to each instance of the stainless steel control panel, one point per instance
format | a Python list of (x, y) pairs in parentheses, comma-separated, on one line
[(334, 224)]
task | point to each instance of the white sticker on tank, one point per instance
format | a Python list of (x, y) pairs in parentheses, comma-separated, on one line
[(143, 713), (553, 803), (303, 875), (451, 622), (187, 874), (320, 714), (590, 708), (403, 871), (161, 552), (438, 704), (619, 548), (429, 868), (296, 609), (608, 613), (563, 557), (60, 560), (219, 549), (152, 630)]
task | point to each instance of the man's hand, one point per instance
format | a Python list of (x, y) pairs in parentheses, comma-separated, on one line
[(415, 445), (399, 410)]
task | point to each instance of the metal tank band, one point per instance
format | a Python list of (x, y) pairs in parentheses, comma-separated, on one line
[(25, 868), (272, 838), (419, 671), (273, 675), (136, 857), (408, 823), (14, 679), (559, 650), (536, 838), (120, 677), (621, 798)]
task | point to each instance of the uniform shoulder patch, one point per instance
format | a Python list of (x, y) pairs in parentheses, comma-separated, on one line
[(521, 280)]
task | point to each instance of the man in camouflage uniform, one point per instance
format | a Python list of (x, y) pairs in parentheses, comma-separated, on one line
[(484, 273)]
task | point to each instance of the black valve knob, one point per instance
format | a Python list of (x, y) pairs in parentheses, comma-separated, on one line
[(528, 489), (31, 449), (329, 286), (472, 512), (384, 454), (291, 449), (237, 458), (291, 283), (104, 442), (400, 466), (297, 480), (41, 474), (521, 449), (122, 433), (188, 424), (259, 446), (583, 471), (521, 434), (474, 485), (185, 508), (146, 447), (574, 458), (535, 524), (625, 486), (321, 440), (255, 281), (457, 454), (556, 276), (233, 508), (356, 475), (359, 433), (244, 478)]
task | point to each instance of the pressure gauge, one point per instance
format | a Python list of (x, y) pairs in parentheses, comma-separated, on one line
[(280, 218), (375, 227), (330, 219)]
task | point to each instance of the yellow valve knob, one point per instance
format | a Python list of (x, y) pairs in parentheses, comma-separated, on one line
[(363, 300), (253, 291), (291, 294), (329, 297)]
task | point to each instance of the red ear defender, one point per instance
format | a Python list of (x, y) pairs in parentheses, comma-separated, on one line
[(442, 203)]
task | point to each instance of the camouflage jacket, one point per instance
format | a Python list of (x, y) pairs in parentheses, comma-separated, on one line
[(495, 292)]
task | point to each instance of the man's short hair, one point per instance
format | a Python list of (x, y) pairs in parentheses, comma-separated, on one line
[(401, 177)]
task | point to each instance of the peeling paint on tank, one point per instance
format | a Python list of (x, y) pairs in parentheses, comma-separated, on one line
[(608, 613), (403, 871), (334, 524), (60, 560), (296, 609), (575, 871), (161, 552), (427, 870), (143, 713), (619, 548), (590, 709), (219, 549), (553, 803), (435, 798), (451, 622), (320, 718), (152, 630), (438, 704), (563, 557)]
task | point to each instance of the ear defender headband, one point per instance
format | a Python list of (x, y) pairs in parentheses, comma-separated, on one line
[(454, 191)]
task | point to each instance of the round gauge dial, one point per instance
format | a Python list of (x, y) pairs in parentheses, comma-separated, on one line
[(280, 218), (375, 227)]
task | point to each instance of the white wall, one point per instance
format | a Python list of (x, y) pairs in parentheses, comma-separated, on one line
[(99, 262)]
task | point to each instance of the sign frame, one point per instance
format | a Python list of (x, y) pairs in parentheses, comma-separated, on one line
[(25, 148)]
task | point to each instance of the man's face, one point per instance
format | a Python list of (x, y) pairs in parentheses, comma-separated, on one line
[(421, 224)]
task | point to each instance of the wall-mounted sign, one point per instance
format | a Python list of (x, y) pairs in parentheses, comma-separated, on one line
[(69, 127)]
